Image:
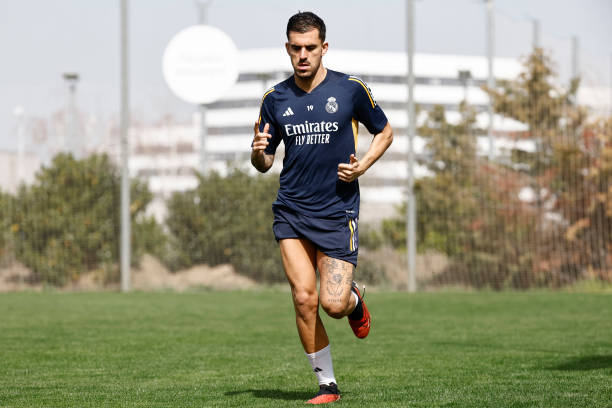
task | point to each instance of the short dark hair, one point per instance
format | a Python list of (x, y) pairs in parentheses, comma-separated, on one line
[(305, 21)]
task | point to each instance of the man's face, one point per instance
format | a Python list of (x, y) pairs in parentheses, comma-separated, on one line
[(306, 50)]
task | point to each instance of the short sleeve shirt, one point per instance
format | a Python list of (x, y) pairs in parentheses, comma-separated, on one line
[(319, 130)]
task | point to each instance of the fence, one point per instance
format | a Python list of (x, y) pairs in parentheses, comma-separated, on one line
[(536, 211), (538, 214)]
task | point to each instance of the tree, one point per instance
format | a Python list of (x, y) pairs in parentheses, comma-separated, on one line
[(584, 187), (447, 197), (67, 222), (227, 220), (450, 197), (471, 209), (571, 229), (6, 209)]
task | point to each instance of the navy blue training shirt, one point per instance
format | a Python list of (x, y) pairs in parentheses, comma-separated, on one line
[(319, 130)]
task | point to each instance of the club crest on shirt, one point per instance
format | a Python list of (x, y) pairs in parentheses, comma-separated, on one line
[(331, 106)]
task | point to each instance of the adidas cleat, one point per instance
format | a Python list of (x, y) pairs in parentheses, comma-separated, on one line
[(361, 327), (327, 393)]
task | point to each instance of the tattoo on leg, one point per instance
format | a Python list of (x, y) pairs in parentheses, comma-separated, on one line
[(334, 284), (340, 275)]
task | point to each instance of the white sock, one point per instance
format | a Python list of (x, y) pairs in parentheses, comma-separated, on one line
[(321, 363), (356, 298)]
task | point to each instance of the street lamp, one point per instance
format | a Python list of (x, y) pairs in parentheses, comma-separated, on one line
[(71, 79), (19, 113), (465, 77)]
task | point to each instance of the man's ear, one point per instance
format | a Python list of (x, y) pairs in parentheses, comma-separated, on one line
[(287, 47), (324, 47)]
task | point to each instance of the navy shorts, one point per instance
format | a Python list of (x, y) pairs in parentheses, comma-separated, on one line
[(335, 237)]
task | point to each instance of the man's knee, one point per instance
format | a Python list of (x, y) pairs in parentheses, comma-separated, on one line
[(335, 308), (305, 301)]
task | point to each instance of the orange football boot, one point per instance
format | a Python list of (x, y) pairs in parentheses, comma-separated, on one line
[(327, 393), (361, 327)]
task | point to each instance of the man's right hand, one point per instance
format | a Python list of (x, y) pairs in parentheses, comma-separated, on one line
[(260, 141), (260, 160)]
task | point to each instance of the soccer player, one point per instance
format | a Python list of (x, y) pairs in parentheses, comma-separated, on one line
[(315, 113)]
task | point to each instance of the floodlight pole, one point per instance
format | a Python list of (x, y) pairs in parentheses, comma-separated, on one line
[(125, 178), (410, 199), (465, 77), (575, 57), (536, 33), (203, 136), (19, 115), (575, 64), (202, 6), (71, 78), (490, 78)]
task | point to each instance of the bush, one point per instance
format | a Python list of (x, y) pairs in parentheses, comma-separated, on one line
[(370, 237), (68, 221), (6, 208), (227, 220)]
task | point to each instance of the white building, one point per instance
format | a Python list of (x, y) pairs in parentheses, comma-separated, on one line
[(166, 155), (17, 169)]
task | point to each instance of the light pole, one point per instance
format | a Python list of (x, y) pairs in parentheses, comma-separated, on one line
[(410, 199), (536, 33), (465, 77), (19, 114), (202, 6), (490, 78), (125, 176), (575, 64), (71, 78)]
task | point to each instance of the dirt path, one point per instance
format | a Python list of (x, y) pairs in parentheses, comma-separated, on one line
[(151, 275)]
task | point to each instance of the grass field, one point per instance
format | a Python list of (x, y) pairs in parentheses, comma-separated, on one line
[(240, 349)]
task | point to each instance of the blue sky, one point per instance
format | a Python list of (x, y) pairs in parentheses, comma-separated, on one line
[(42, 39)]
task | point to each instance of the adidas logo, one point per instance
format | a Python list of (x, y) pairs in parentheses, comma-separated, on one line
[(317, 370), (288, 112)]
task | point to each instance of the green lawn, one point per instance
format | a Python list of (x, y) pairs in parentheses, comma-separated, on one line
[(240, 349)]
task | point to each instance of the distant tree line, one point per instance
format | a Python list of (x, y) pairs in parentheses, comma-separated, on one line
[(67, 223)]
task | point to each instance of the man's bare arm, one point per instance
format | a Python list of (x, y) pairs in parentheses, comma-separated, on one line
[(259, 158), (350, 171)]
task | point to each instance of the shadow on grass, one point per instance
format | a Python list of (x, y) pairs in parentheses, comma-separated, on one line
[(585, 363), (275, 394)]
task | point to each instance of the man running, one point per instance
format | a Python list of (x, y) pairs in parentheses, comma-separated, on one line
[(316, 112)]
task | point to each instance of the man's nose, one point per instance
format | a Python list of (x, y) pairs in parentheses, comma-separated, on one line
[(303, 53)]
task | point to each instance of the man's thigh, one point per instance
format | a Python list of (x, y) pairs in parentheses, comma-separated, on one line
[(336, 237), (336, 279), (299, 260)]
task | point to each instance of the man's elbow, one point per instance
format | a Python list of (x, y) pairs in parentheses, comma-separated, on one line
[(388, 131)]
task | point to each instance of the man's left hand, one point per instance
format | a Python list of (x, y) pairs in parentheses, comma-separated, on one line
[(350, 171)]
